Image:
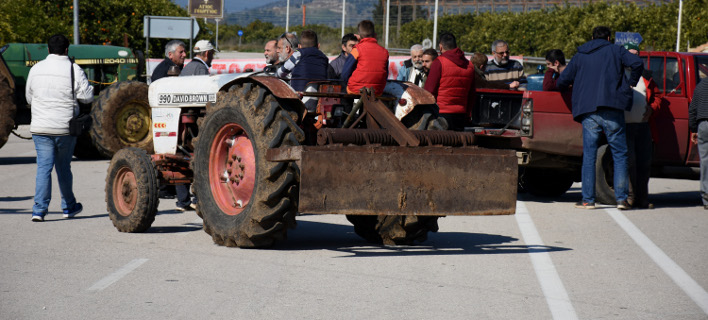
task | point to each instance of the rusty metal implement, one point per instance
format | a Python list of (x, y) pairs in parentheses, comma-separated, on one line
[(395, 180)]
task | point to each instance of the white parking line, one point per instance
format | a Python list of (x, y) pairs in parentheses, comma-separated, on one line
[(551, 284), (673, 270), (115, 276)]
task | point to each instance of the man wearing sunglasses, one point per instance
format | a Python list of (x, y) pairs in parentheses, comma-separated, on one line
[(287, 43), (503, 69)]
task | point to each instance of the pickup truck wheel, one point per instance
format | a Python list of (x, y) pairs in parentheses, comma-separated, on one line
[(122, 118), (7, 110), (604, 176), (132, 190), (245, 200), (545, 182)]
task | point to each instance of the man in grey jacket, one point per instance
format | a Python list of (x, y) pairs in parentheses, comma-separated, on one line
[(49, 91), (204, 54)]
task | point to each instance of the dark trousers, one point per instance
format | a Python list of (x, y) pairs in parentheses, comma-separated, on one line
[(455, 121), (639, 154), (184, 199)]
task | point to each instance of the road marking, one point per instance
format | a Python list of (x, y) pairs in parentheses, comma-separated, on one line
[(671, 268), (115, 276), (551, 284)]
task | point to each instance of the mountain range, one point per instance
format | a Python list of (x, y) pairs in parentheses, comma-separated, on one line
[(326, 12)]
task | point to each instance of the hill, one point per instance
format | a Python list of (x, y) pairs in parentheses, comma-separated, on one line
[(324, 12)]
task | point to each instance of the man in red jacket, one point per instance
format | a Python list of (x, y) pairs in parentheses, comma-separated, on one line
[(451, 81), (367, 64)]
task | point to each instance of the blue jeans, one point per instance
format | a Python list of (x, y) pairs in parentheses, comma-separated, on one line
[(611, 122), (53, 152)]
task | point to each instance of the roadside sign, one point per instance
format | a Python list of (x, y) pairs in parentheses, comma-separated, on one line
[(624, 37), (170, 27), (206, 8), (240, 33)]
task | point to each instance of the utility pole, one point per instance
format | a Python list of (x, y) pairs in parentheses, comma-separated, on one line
[(344, 10), (76, 21), (287, 16)]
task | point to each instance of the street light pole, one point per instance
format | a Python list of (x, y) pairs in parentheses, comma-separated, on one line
[(435, 25), (287, 16), (344, 10), (678, 33), (388, 13), (76, 21)]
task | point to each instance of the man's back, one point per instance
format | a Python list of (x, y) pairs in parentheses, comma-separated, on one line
[(372, 66), (597, 75), (312, 65), (195, 67), (48, 90)]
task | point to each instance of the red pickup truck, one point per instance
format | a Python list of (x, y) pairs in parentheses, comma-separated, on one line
[(539, 125)]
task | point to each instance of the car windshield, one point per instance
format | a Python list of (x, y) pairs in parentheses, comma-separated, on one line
[(702, 66)]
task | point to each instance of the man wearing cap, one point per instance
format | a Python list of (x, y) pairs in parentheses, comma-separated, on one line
[(639, 137), (204, 54)]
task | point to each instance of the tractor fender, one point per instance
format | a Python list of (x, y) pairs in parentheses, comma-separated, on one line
[(277, 87), (408, 96)]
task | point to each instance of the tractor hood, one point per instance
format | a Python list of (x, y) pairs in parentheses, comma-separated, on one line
[(191, 91)]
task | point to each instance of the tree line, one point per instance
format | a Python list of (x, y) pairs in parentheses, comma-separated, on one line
[(120, 22)]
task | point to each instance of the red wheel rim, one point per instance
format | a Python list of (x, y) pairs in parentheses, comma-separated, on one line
[(232, 169), (125, 191)]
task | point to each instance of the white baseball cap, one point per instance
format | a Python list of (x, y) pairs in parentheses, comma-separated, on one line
[(203, 45)]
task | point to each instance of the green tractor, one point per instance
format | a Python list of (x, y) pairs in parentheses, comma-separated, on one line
[(120, 111)]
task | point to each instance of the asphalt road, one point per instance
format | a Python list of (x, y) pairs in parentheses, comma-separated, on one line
[(548, 261)]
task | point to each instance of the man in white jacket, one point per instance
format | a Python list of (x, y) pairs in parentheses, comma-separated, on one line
[(48, 90)]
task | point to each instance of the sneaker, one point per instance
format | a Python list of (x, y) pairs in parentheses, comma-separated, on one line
[(183, 209), (623, 205), (37, 217), (585, 205), (193, 206), (70, 213)]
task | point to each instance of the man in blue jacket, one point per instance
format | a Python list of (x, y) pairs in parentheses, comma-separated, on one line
[(601, 94)]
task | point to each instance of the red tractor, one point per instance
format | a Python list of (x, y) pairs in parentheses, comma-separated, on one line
[(258, 153)]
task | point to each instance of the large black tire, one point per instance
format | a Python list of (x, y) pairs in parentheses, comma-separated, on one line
[(604, 176), (7, 109), (252, 117), (545, 182), (132, 190), (122, 118), (402, 230)]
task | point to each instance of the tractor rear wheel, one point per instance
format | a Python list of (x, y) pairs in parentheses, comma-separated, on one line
[(132, 190), (7, 110), (245, 200), (402, 230), (122, 118)]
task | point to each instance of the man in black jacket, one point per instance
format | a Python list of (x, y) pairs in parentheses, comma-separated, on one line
[(174, 56), (698, 124)]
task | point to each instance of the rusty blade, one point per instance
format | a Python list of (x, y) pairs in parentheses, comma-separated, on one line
[(407, 181)]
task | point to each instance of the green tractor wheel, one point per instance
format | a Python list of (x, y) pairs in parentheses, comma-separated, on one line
[(122, 118)]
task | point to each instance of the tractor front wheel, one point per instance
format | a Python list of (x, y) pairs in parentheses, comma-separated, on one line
[(132, 190)]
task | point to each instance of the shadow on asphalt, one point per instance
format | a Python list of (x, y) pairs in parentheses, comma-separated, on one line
[(18, 160), (176, 229), (679, 199), (311, 235), (8, 199)]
